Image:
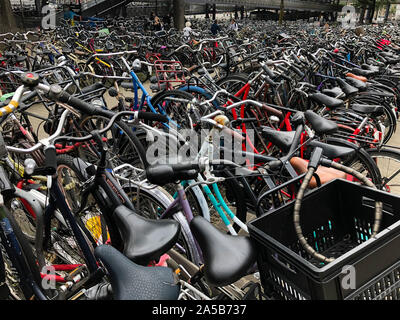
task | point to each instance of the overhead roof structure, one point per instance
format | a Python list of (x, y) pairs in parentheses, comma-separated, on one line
[(99, 7)]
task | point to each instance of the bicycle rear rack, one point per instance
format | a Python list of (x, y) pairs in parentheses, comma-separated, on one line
[(169, 72)]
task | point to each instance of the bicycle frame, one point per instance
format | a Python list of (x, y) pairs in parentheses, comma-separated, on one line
[(146, 97), (57, 200), (217, 200)]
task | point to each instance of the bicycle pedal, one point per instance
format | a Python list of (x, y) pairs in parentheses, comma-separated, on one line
[(76, 274)]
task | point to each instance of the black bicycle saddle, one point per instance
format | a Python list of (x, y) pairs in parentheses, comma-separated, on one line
[(226, 258), (130, 281)]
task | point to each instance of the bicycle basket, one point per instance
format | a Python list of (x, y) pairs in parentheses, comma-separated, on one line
[(337, 221)]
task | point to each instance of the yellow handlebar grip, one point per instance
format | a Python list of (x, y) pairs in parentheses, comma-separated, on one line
[(9, 108)]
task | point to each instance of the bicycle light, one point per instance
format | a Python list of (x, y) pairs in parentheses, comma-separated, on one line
[(136, 65), (30, 166), (222, 120), (30, 79), (274, 119)]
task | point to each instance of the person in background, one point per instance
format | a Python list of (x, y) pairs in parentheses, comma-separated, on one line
[(167, 21), (70, 15), (188, 32), (157, 24), (215, 28), (233, 26)]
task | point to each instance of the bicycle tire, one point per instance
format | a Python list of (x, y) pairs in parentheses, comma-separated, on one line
[(360, 156), (28, 260), (121, 131), (178, 114), (390, 121), (387, 155), (239, 78), (94, 225)]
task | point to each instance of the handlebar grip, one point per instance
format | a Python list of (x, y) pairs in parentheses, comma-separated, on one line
[(270, 81), (268, 71), (282, 68), (126, 85), (272, 111), (298, 66), (239, 121), (29, 96), (77, 103), (50, 160), (150, 116), (12, 105), (297, 71), (185, 166), (284, 76), (296, 58), (274, 164)]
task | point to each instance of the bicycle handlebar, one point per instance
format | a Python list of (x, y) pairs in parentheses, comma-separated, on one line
[(43, 142), (101, 77), (200, 45), (136, 115), (14, 103), (121, 53), (56, 93)]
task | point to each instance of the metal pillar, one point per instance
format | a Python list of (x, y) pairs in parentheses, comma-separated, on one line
[(236, 12), (38, 6), (7, 20), (179, 14), (281, 12), (241, 12), (387, 12), (207, 11), (214, 11), (124, 11), (22, 14)]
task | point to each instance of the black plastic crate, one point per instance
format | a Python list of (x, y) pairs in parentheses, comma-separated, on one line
[(337, 221)]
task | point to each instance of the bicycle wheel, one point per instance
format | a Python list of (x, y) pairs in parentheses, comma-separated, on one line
[(233, 83), (122, 144), (58, 244), (388, 119), (27, 265), (234, 196), (173, 103), (90, 219), (388, 162), (360, 160)]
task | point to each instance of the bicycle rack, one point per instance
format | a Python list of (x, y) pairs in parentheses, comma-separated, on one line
[(169, 72)]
